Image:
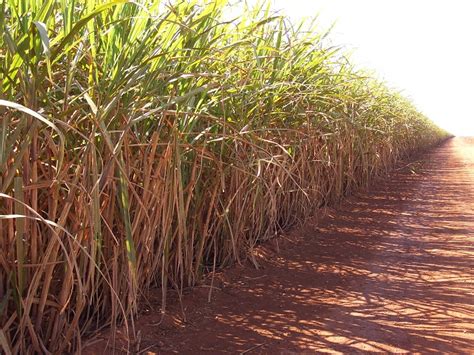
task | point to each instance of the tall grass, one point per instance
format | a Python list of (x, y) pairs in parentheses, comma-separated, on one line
[(144, 143)]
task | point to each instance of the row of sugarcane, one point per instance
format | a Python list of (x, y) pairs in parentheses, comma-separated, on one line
[(144, 144)]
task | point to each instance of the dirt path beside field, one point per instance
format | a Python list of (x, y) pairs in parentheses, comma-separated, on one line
[(390, 270)]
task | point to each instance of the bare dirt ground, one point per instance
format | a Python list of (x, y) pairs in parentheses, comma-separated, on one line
[(391, 270)]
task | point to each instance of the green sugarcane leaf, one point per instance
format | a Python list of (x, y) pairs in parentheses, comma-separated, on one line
[(43, 120), (43, 32)]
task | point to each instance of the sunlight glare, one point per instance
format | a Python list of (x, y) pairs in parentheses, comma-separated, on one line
[(423, 48)]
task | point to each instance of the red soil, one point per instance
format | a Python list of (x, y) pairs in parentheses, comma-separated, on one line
[(391, 270)]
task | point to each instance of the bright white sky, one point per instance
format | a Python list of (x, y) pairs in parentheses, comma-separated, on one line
[(423, 47)]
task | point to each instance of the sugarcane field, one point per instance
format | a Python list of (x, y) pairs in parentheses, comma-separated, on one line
[(236, 177)]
